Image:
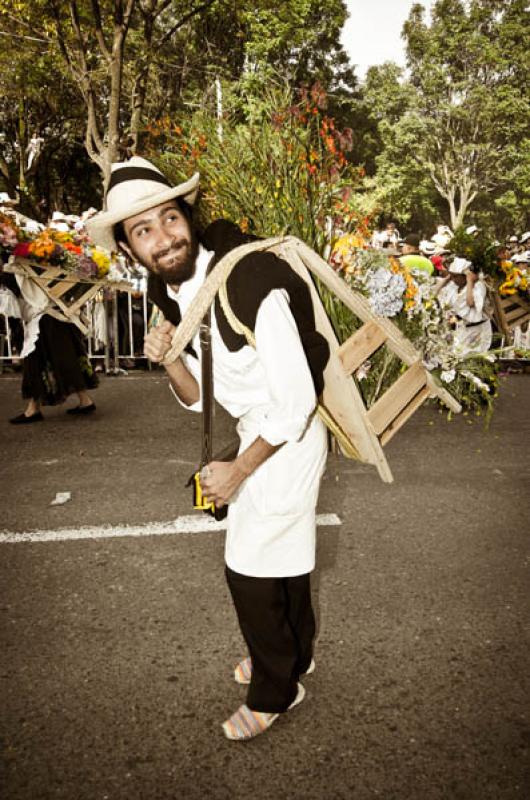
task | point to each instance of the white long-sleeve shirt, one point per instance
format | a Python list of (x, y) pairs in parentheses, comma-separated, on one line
[(271, 518)]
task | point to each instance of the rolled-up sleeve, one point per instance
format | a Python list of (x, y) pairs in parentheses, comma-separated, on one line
[(288, 377), (193, 365)]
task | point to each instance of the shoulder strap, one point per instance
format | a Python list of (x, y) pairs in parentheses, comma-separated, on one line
[(205, 338), (235, 323)]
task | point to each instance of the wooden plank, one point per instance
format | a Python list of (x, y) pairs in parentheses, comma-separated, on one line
[(395, 399), (60, 288), (48, 274), (514, 300), (438, 391), (360, 346), (515, 313), (347, 407), (405, 414), (74, 307)]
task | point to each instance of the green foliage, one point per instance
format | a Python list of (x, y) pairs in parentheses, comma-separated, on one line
[(459, 119), (478, 249), (281, 169)]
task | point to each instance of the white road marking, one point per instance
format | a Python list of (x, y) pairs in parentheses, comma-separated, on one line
[(185, 524)]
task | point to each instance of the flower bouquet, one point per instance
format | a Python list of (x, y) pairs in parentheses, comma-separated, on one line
[(61, 260)]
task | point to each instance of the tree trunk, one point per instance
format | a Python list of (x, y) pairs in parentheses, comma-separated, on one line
[(22, 144)]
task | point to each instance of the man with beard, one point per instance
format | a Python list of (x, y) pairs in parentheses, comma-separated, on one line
[(272, 389)]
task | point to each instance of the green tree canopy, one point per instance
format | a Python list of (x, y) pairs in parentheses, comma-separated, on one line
[(449, 130)]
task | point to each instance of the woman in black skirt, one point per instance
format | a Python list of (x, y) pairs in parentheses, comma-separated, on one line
[(56, 368)]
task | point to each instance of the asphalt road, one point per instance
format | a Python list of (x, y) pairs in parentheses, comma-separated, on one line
[(117, 654)]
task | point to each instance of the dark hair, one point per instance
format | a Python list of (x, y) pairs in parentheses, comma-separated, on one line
[(187, 210), (413, 240)]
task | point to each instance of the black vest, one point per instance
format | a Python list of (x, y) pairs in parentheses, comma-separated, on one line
[(249, 283)]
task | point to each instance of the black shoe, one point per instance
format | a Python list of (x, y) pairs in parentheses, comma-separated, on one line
[(23, 420), (82, 409)]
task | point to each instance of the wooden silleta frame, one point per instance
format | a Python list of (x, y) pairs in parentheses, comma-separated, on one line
[(367, 430), (67, 292)]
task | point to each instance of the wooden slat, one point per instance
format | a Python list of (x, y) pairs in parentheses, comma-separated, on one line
[(394, 400), (360, 346), (438, 391), (60, 288), (404, 415), (509, 302), (73, 308), (348, 407), (515, 313)]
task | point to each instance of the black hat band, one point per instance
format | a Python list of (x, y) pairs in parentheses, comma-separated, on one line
[(136, 174)]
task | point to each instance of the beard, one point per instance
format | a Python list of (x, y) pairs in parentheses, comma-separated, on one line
[(176, 263)]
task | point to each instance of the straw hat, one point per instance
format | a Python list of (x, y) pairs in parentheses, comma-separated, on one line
[(135, 186)]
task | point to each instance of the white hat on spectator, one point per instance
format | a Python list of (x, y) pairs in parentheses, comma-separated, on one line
[(471, 230), (521, 258), (58, 222), (428, 248), (459, 266), (525, 237)]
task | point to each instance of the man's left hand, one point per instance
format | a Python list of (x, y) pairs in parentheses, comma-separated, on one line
[(219, 481)]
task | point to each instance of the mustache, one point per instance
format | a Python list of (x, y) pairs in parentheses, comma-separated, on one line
[(175, 245)]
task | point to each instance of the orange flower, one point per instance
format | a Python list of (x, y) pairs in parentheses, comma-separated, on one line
[(73, 248), (43, 246)]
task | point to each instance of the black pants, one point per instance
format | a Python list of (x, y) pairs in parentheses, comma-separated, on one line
[(278, 624)]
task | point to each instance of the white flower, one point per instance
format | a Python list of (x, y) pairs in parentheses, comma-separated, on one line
[(362, 372), (386, 292)]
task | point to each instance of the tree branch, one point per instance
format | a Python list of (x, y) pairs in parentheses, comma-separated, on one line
[(185, 19), (99, 31)]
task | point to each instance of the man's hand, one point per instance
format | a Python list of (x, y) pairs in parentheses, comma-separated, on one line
[(220, 480), (158, 341)]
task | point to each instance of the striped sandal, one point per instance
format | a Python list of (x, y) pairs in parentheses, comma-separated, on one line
[(243, 671), (245, 724)]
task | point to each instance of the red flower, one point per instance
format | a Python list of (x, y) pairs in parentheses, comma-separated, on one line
[(22, 249)]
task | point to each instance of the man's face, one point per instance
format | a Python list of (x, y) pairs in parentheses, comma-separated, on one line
[(459, 279), (408, 249), (161, 239)]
